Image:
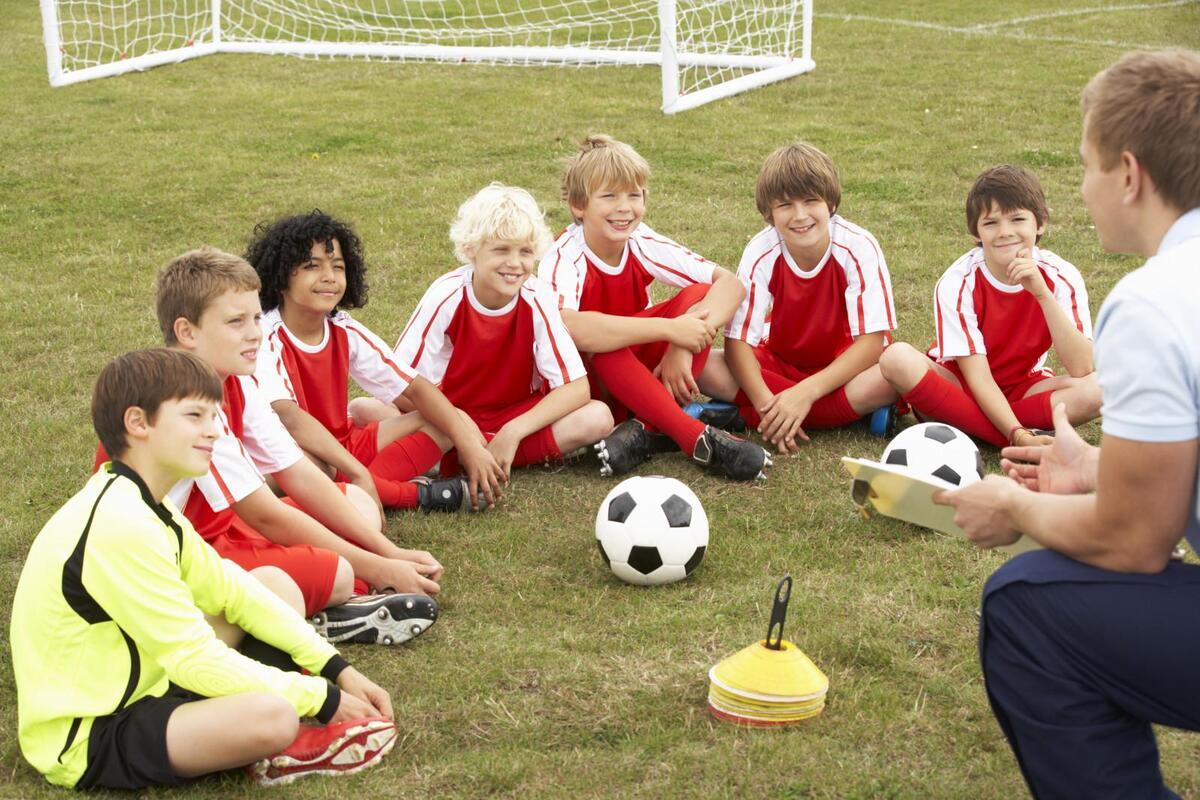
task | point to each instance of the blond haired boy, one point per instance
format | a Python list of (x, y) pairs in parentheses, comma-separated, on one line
[(644, 360), (825, 285), (1087, 644)]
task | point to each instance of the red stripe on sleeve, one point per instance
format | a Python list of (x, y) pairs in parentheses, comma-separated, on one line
[(562, 365), (750, 304), (1074, 298), (962, 320), (221, 484), (862, 320), (432, 319), (395, 367)]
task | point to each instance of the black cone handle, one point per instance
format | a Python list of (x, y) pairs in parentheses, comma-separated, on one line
[(783, 593)]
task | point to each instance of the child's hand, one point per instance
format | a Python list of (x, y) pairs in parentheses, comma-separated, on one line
[(401, 576), (1024, 270), (427, 565), (503, 448), (357, 686), (675, 372), (484, 474), (782, 416), (691, 331)]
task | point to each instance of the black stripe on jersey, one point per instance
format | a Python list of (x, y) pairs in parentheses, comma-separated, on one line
[(71, 734), (135, 671), (76, 596)]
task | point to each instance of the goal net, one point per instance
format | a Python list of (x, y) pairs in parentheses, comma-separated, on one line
[(706, 48)]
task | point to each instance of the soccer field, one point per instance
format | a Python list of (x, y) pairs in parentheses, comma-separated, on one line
[(546, 676)]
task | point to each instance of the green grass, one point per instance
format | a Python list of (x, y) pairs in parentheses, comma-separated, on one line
[(546, 676)]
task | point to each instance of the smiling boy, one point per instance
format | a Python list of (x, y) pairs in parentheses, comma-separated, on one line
[(998, 310)]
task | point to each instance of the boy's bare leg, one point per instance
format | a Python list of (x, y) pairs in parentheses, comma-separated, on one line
[(401, 425), (903, 366), (1081, 395), (715, 380), (583, 426), (868, 391), (227, 732), (365, 410)]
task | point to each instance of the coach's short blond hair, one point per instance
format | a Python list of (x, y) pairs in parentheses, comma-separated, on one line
[(797, 172), (601, 162), (189, 284), (499, 212), (1148, 104)]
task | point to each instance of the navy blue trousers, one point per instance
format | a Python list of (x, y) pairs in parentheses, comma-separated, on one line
[(1080, 661)]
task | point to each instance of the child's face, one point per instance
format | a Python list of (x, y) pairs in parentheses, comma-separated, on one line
[(318, 284), (1003, 234), (227, 335), (611, 216), (802, 224), (501, 266), (182, 435)]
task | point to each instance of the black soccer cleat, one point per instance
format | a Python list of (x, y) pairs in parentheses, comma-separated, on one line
[(448, 495), (625, 447), (724, 454), (377, 618), (718, 414)]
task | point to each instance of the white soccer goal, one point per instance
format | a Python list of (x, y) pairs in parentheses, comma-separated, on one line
[(707, 49)]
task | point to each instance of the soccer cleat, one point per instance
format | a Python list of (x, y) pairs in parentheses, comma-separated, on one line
[(340, 748), (623, 449), (448, 495), (718, 414), (882, 421), (377, 618), (724, 454)]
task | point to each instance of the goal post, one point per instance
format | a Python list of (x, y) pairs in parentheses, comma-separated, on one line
[(706, 49)]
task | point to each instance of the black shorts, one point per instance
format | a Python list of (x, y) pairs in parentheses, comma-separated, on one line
[(128, 750)]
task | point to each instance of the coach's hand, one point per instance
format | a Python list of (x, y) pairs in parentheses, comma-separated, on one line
[(982, 510), (1067, 465), (675, 372), (361, 697), (691, 331)]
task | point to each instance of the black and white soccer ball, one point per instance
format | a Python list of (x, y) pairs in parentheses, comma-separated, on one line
[(936, 450), (651, 530)]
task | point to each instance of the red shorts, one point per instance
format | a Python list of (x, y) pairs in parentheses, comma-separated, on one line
[(768, 360), (363, 444), (1012, 392), (491, 420)]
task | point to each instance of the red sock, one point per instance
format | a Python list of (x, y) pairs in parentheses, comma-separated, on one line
[(831, 411), (1035, 411), (538, 447), (399, 462), (938, 398), (635, 387)]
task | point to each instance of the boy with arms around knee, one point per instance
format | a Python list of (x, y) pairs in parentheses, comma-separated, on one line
[(998, 310), (826, 286), (111, 607), (644, 360)]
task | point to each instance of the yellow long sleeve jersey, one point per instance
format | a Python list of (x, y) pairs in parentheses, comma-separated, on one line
[(110, 608)]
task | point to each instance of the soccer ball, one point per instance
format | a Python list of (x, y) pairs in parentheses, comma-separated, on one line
[(936, 450), (651, 530)]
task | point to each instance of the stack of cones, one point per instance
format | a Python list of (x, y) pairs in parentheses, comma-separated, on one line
[(771, 682)]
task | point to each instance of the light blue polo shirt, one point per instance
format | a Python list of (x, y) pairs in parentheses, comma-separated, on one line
[(1148, 348)]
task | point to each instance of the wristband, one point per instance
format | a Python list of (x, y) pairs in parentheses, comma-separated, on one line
[(1012, 433)]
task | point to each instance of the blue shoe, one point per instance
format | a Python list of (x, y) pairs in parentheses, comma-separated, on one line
[(882, 422), (717, 414)]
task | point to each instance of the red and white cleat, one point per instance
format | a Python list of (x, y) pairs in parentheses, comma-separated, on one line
[(340, 748)]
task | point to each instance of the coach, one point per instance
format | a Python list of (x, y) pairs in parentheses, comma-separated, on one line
[(1087, 643)]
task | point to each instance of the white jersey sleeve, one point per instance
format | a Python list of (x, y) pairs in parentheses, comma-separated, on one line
[(668, 261), (423, 347), (372, 364), (564, 267), (869, 305), (274, 382), (1069, 290), (748, 323), (554, 351), (267, 442), (232, 475), (955, 320)]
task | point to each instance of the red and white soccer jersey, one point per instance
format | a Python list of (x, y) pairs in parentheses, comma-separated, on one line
[(316, 377), (584, 282), (252, 442), (814, 315), (974, 312), (488, 359)]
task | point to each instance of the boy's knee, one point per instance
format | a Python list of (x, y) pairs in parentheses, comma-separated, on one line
[(597, 420), (343, 583), (281, 585), (364, 504), (275, 723), (1092, 397), (896, 360)]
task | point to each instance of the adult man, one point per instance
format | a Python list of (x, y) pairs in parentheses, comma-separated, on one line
[(1086, 644)]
